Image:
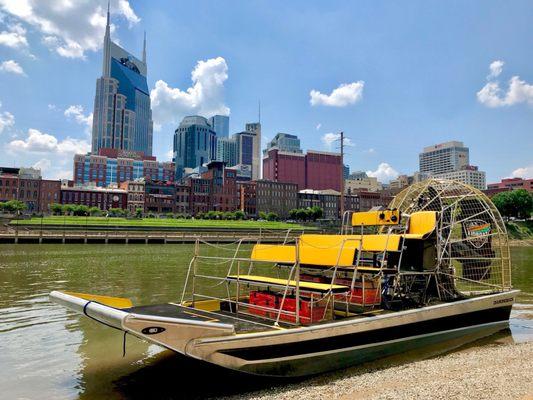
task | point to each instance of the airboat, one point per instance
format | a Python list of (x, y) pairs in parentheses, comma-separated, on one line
[(432, 267)]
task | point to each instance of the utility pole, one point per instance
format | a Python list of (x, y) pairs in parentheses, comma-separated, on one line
[(342, 176)]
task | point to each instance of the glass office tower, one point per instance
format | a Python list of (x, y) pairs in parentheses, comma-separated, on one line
[(122, 117)]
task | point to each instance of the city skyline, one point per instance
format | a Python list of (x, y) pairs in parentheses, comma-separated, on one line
[(474, 103)]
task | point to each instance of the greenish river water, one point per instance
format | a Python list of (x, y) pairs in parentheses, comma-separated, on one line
[(47, 352)]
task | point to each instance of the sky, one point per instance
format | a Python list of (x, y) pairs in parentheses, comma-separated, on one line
[(393, 76)]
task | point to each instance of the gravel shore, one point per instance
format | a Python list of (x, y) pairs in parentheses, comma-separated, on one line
[(503, 371)]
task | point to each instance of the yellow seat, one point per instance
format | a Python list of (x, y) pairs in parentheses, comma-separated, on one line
[(278, 282), (325, 249), (421, 224)]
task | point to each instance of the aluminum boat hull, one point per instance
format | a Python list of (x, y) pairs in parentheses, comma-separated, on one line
[(313, 349)]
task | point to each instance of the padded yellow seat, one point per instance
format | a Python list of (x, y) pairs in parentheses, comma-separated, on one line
[(421, 224), (324, 249), (278, 282)]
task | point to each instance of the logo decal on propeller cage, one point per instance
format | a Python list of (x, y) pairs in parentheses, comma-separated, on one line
[(477, 232)]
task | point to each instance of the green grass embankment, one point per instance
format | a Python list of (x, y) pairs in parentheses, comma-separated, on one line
[(520, 230), (156, 223)]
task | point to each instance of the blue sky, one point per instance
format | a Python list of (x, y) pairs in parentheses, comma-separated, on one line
[(416, 73)]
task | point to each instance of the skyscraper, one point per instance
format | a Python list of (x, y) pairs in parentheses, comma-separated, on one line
[(451, 160), (227, 150), (122, 116), (444, 157), (220, 124), (284, 142), (194, 144), (255, 129)]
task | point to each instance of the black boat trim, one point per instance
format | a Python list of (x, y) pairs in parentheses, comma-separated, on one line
[(372, 336)]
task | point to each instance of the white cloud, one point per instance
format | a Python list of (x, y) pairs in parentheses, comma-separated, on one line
[(492, 95), (43, 143), (345, 94), (68, 27), (318, 127), (15, 37), (384, 173), (52, 107), (7, 120), (371, 151), (330, 138), (11, 67), (43, 164), (76, 112), (524, 172), (205, 96), (496, 68)]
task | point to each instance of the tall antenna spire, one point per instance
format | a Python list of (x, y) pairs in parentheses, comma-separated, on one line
[(107, 24), (259, 111), (144, 48), (107, 45)]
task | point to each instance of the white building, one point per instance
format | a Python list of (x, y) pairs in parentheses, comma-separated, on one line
[(255, 128), (469, 175), (367, 183), (444, 157)]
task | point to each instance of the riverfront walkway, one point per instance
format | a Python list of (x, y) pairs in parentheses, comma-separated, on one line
[(144, 236)]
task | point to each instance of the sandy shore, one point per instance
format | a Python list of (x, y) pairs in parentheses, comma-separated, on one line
[(503, 371)]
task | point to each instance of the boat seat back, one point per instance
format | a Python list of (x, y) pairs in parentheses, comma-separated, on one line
[(421, 224), (325, 249)]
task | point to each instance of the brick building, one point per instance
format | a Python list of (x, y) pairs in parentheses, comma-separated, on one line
[(135, 191), (160, 197), (512, 184), (103, 198), (315, 170), (277, 197), (247, 197), (114, 166), (50, 193)]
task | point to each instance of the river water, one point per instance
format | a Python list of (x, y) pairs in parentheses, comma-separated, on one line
[(47, 352)]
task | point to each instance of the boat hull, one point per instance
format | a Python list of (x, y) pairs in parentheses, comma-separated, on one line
[(306, 350), (317, 349)]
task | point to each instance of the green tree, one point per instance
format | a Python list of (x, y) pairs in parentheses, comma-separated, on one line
[(116, 212), (262, 215), (95, 211), (139, 212), (14, 206), (315, 213), (68, 209), (293, 214), (515, 203), (56, 209), (81, 210), (239, 215), (272, 216)]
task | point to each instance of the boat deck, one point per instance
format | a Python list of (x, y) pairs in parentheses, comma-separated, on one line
[(244, 323)]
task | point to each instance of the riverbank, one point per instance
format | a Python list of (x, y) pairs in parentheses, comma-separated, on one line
[(495, 372), (156, 223)]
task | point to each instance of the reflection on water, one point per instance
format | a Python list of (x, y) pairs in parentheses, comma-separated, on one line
[(48, 352)]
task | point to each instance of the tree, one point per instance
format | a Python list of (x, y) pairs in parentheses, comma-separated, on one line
[(262, 215), (139, 212), (272, 216), (68, 209), (56, 209), (81, 210), (515, 203), (94, 211), (14, 206), (239, 215), (315, 213), (116, 212), (293, 214)]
